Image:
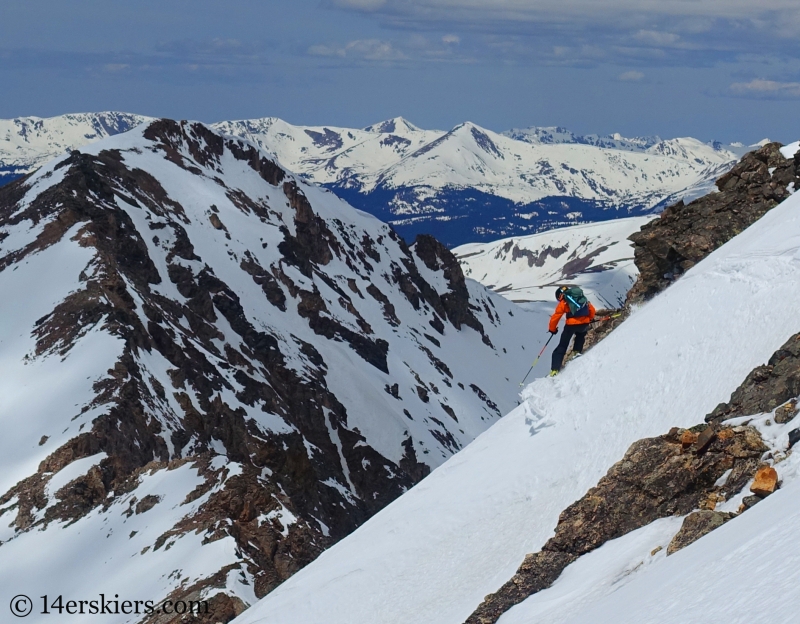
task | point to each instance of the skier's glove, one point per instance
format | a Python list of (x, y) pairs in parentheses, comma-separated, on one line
[(553, 331)]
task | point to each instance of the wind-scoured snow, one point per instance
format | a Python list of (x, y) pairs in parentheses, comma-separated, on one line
[(598, 257), (433, 554)]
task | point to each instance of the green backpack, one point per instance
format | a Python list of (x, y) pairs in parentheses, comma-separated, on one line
[(577, 302)]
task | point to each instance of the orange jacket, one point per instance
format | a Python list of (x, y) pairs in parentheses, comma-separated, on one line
[(563, 308)]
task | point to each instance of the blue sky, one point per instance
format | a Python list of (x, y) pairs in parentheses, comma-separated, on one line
[(721, 69)]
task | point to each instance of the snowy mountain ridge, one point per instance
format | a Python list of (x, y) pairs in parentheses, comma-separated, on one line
[(464, 185), (598, 257), (28, 142), (222, 370)]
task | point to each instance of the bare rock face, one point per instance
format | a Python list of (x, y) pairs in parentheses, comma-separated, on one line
[(666, 248), (766, 387), (696, 525), (455, 302), (658, 477)]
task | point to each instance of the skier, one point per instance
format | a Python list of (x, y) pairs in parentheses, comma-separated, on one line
[(573, 303)]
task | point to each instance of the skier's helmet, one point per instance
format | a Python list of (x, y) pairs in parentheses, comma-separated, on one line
[(560, 292)]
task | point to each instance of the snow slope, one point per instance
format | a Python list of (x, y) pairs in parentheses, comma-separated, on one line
[(746, 572), (435, 553), (598, 257)]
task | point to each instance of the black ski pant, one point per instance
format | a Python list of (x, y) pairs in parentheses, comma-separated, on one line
[(579, 331)]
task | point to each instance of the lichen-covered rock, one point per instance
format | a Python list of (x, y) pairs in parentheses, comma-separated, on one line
[(766, 387), (696, 525), (786, 412)]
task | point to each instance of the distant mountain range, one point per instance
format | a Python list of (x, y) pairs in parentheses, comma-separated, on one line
[(466, 185)]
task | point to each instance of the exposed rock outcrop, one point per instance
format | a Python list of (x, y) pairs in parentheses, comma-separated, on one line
[(658, 477), (766, 387), (696, 525), (666, 248)]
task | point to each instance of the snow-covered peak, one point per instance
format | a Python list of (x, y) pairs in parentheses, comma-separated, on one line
[(469, 183), (397, 125), (552, 135)]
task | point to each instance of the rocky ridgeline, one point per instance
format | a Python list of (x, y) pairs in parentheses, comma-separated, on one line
[(665, 248), (677, 474)]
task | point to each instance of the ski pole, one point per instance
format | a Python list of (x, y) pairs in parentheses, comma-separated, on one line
[(537, 358), (606, 318)]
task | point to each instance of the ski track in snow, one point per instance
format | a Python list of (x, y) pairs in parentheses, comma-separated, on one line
[(432, 555)]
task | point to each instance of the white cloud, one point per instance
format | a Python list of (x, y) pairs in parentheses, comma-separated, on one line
[(655, 38), (652, 33), (360, 49), (363, 5), (557, 9), (767, 88), (631, 76), (649, 22), (323, 50), (115, 67)]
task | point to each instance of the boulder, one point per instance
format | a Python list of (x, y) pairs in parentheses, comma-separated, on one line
[(786, 412), (748, 502), (766, 482)]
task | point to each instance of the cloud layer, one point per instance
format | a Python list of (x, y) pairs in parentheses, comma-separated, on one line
[(667, 32), (767, 89)]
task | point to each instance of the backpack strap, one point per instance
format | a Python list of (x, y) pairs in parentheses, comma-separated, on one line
[(580, 310)]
